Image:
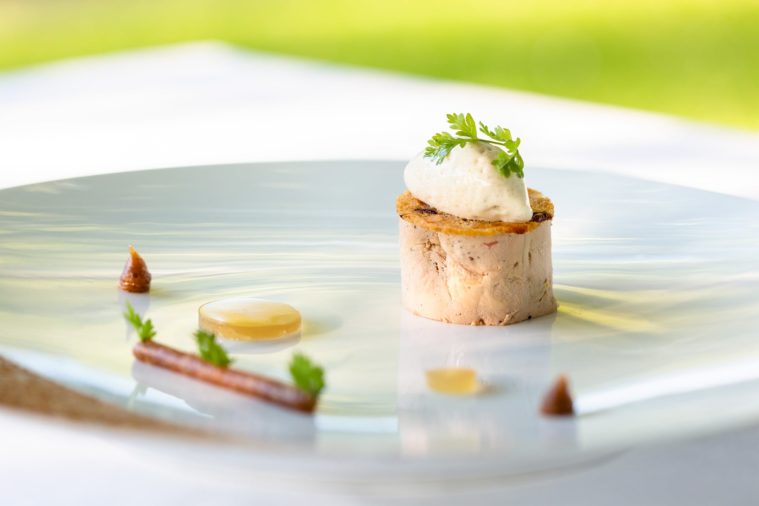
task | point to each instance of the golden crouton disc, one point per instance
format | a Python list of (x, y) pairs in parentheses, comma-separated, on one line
[(422, 215)]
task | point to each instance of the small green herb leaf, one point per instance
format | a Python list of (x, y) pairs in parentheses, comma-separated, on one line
[(145, 329), (147, 332), (441, 145), (508, 161), (307, 376), (502, 134), (210, 350), (487, 131), (463, 124)]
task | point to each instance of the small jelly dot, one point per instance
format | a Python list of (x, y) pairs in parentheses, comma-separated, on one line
[(453, 380)]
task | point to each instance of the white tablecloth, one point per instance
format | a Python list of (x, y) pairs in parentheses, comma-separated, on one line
[(208, 103)]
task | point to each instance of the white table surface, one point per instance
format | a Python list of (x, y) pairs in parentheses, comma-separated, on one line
[(208, 103)]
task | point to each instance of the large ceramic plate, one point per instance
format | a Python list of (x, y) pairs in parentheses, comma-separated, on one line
[(657, 286)]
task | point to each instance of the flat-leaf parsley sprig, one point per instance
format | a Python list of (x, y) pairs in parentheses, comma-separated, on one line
[(508, 161)]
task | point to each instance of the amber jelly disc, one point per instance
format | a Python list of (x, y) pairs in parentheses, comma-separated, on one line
[(248, 319)]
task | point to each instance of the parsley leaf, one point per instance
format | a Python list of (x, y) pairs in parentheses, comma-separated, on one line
[(307, 376), (145, 329), (210, 350), (508, 161)]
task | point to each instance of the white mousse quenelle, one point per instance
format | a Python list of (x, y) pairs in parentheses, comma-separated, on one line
[(465, 184), (475, 241)]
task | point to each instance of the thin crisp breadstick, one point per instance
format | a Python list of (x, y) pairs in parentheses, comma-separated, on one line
[(246, 383)]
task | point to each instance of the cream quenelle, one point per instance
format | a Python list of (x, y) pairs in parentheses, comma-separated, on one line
[(467, 185)]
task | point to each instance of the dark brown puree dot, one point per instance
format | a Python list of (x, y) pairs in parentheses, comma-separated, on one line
[(135, 278), (558, 400)]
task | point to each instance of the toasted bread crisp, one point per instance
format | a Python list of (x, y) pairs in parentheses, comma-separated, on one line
[(422, 215)]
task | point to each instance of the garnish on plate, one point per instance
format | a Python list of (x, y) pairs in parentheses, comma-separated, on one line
[(557, 400), (249, 319), (453, 380), (508, 161), (212, 367), (307, 376), (210, 350), (144, 329), (135, 277)]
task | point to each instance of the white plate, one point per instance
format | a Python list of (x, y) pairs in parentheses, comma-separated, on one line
[(657, 287)]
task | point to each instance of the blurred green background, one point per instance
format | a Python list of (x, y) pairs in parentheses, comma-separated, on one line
[(693, 58)]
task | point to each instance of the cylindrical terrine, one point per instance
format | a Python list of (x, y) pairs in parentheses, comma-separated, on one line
[(475, 272)]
